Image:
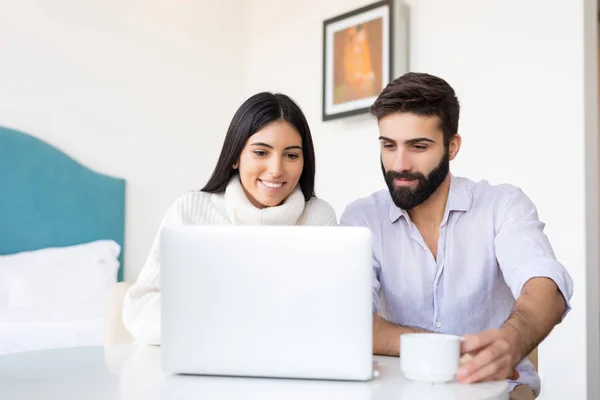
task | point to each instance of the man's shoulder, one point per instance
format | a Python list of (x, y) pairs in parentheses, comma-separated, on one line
[(485, 193), (372, 206)]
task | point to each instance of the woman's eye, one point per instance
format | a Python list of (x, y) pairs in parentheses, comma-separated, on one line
[(260, 153), (293, 156)]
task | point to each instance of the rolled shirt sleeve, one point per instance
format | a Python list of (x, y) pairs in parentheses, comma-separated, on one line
[(523, 250)]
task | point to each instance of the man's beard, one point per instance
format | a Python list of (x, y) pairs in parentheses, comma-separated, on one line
[(408, 198)]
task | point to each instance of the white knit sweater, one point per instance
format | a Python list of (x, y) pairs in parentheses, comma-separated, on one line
[(141, 307)]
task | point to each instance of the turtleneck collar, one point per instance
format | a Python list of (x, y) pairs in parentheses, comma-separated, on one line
[(242, 212)]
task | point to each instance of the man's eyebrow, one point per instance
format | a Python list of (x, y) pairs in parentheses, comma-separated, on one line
[(408, 141), (387, 139), (419, 139)]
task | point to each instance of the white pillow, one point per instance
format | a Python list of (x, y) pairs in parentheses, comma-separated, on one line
[(4, 294), (67, 278)]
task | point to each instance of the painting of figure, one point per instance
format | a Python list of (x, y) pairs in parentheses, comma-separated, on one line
[(357, 58)]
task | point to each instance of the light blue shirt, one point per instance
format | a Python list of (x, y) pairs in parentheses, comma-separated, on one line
[(491, 243)]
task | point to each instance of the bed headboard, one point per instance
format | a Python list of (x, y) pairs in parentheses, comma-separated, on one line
[(47, 199)]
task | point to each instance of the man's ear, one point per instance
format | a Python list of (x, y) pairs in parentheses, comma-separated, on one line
[(454, 147)]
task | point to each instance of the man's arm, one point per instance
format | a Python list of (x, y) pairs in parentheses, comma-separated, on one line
[(497, 351), (539, 308), (386, 336), (540, 284)]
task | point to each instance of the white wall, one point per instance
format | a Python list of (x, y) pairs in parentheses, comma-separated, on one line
[(140, 89), (518, 68)]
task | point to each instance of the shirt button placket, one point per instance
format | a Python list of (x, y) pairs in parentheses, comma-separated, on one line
[(439, 264)]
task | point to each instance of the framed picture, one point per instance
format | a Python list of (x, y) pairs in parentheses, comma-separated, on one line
[(359, 57)]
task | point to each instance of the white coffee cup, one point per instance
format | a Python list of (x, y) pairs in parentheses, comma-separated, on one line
[(429, 357)]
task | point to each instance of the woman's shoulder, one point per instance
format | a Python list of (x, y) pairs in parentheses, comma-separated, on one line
[(318, 212), (195, 206), (193, 197)]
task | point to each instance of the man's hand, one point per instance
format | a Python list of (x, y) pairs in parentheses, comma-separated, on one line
[(496, 352), (488, 356)]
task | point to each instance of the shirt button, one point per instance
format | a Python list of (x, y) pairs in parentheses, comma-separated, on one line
[(438, 324)]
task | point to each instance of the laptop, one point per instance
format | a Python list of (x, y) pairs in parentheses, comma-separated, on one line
[(267, 301)]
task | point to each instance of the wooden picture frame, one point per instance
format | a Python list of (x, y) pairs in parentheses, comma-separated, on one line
[(363, 50)]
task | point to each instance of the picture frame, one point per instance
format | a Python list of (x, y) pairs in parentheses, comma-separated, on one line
[(363, 50)]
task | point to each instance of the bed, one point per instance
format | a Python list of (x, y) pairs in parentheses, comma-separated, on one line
[(61, 245)]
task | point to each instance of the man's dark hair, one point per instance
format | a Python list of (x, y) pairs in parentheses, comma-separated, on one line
[(420, 94)]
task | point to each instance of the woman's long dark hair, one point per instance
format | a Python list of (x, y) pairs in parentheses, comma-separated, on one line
[(253, 115)]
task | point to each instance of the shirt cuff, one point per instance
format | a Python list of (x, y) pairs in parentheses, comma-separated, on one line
[(376, 303), (547, 269)]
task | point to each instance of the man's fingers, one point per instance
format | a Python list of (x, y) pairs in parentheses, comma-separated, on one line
[(477, 341), (498, 350), (465, 359), (496, 370), (468, 357), (482, 359), (485, 356)]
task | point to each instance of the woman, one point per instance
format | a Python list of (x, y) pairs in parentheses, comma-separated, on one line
[(265, 175)]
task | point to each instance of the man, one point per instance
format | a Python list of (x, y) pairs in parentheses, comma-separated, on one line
[(451, 255)]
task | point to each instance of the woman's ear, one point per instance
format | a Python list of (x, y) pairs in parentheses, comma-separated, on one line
[(235, 166)]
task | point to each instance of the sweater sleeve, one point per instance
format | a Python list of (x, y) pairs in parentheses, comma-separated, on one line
[(329, 217), (318, 212), (142, 303)]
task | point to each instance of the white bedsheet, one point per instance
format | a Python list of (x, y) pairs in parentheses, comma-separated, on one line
[(25, 329)]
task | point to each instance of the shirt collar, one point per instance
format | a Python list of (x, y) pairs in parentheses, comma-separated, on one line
[(459, 199)]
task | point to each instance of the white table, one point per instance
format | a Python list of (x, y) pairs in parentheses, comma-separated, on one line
[(134, 372)]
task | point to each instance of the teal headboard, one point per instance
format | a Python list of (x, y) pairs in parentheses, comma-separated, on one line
[(47, 199)]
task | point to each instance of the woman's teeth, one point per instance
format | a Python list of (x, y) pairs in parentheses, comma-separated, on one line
[(272, 185)]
